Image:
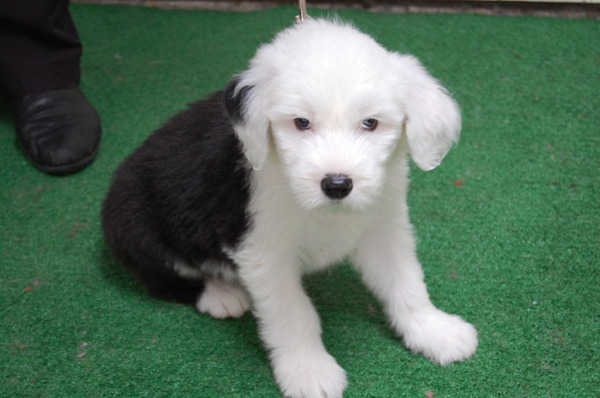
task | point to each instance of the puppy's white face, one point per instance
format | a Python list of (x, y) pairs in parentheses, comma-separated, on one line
[(333, 104), (333, 142)]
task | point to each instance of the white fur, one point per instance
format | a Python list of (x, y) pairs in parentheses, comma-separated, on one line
[(336, 77), (222, 299)]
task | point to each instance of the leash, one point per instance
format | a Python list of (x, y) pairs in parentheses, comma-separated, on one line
[(303, 14)]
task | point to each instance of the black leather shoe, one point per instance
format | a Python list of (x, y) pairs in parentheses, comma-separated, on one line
[(59, 130)]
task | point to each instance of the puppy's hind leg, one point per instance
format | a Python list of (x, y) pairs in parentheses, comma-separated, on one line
[(222, 295), (223, 299)]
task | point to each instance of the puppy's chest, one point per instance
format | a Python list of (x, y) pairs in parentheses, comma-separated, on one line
[(322, 243)]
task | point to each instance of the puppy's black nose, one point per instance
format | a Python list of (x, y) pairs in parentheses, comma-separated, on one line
[(336, 186)]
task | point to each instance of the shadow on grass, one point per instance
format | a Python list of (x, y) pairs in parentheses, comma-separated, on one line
[(116, 275)]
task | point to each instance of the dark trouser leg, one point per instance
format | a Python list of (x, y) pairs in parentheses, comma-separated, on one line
[(40, 51), (39, 47)]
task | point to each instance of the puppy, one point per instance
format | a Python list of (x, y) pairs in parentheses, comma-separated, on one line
[(301, 162)]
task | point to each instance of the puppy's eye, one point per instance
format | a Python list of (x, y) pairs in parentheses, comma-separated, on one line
[(301, 123), (369, 124)]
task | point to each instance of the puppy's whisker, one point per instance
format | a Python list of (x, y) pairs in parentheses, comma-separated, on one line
[(280, 188)]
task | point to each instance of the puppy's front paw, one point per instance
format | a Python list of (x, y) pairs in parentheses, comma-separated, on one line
[(309, 375), (441, 337)]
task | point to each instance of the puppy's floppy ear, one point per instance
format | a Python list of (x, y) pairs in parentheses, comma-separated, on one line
[(433, 117), (249, 121)]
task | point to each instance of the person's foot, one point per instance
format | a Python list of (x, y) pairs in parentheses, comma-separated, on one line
[(59, 130)]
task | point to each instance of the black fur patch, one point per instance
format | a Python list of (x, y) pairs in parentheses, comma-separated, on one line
[(235, 103), (181, 196)]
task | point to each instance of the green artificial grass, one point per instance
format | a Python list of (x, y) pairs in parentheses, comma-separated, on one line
[(507, 227)]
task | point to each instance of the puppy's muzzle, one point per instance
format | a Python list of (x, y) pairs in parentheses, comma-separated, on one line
[(336, 186)]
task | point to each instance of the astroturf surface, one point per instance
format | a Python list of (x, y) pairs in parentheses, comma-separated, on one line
[(508, 226)]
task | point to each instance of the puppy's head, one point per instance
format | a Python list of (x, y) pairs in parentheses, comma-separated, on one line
[(332, 106)]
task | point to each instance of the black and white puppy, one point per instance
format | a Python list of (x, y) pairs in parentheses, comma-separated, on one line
[(300, 163)]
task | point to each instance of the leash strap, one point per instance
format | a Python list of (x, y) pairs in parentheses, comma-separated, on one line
[(303, 14)]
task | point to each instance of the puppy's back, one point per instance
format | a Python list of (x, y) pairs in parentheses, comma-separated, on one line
[(182, 196)]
